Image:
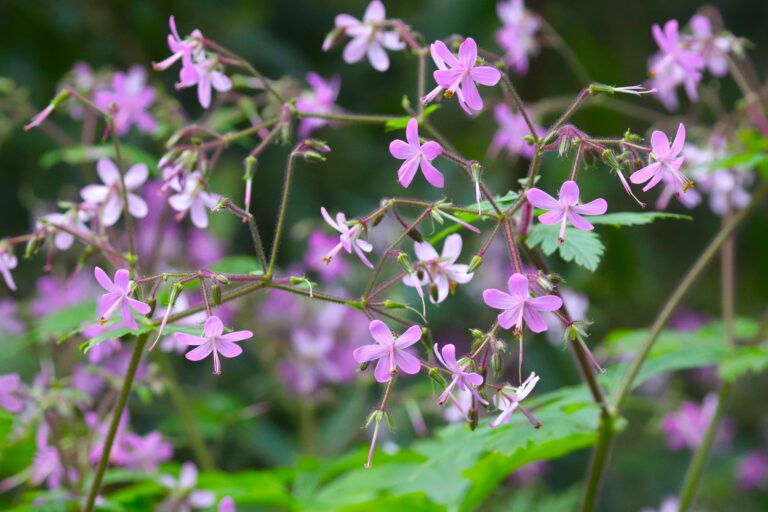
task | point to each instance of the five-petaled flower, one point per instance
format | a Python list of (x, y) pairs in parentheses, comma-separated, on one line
[(349, 238), (458, 76), (512, 132), (193, 198), (566, 208), (667, 162), (462, 379), (438, 272), (368, 37), (132, 98), (109, 195), (390, 351), (508, 400), (214, 341), (416, 155), (182, 49), (519, 306), (118, 296)]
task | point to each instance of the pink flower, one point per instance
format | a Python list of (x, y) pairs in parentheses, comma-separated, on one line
[(132, 97), (183, 496), (566, 208), (321, 100), (685, 428), (462, 379), (109, 195), (193, 198), (74, 220), (182, 49), (368, 37), (518, 306), (118, 296), (145, 453), (713, 49), (511, 133), (349, 238), (209, 75), (227, 504), (517, 37), (458, 76), (674, 65), (46, 466), (10, 384), (508, 400), (440, 272), (416, 155), (8, 262), (667, 162), (727, 188), (752, 471), (214, 341), (318, 245), (389, 351), (10, 323)]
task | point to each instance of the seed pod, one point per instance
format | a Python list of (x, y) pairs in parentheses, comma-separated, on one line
[(216, 293), (496, 364), (435, 375), (414, 234), (474, 263), (473, 418)]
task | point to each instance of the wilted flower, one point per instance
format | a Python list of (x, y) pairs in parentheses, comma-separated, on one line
[(368, 37), (214, 341), (566, 208), (109, 195), (132, 98), (349, 238), (390, 351), (439, 272), (458, 76), (118, 296), (519, 306), (508, 400)]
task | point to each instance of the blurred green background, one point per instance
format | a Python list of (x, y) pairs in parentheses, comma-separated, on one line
[(41, 40)]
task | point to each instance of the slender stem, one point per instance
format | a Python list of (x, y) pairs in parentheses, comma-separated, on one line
[(246, 65), (352, 118), (186, 416), (511, 93), (124, 196), (599, 460), (138, 350), (281, 214)]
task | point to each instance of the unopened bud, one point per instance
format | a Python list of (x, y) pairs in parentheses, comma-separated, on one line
[(405, 262), (610, 158), (474, 263), (414, 234), (313, 156), (477, 334), (405, 103), (565, 146), (250, 167), (390, 304), (221, 278), (435, 375), (434, 292), (222, 204), (333, 37), (33, 245), (318, 145), (151, 302)]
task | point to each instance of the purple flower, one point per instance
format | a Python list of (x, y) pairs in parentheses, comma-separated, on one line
[(38, 119), (181, 49), (440, 272), (9, 317), (118, 296), (667, 162), (194, 198), (182, 494), (132, 97), (55, 294), (318, 245), (46, 466), (109, 195), (458, 76), (511, 133), (685, 428), (517, 36), (508, 400), (349, 238), (145, 453), (389, 351), (674, 65), (416, 155), (209, 75), (368, 37), (518, 306), (752, 471), (73, 220), (214, 341), (713, 49), (8, 262), (566, 208), (227, 504), (10, 384), (321, 100), (461, 378), (315, 360)]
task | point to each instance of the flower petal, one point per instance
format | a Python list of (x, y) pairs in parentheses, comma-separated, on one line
[(545, 303), (432, 175), (107, 171), (377, 56), (534, 320), (407, 171), (407, 363), (660, 144), (452, 247), (383, 371), (677, 145), (412, 133), (369, 353), (569, 193), (201, 352), (136, 176), (440, 52), (402, 150), (424, 251), (518, 286), (409, 337), (228, 349), (103, 279), (431, 150), (468, 53), (381, 333), (498, 299), (189, 339), (236, 336), (597, 207), (213, 327), (486, 75), (541, 199)]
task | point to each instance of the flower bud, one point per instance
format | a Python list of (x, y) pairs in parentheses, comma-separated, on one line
[(405, 262), (390, 304), (333, 37), (433, 292), (33, 245), (151, 302), (474, 263), (216, 294), (363, 366), (250, 167), (414, 234), (221, 278), (435, 375), (318, 145), (565, 146), (376, 416), (313, 156)]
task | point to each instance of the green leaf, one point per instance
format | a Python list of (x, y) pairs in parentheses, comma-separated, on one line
[(401, 122), (62, 322), (6, 422), (744, 360), (76, 155), (582, 247), (618, 219), (238, 264)]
